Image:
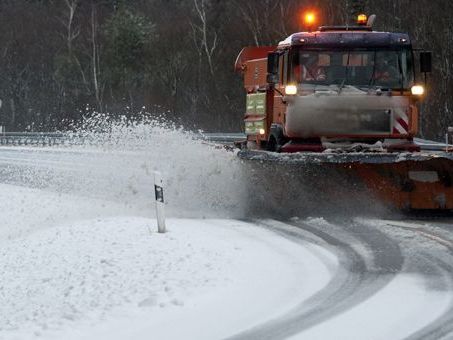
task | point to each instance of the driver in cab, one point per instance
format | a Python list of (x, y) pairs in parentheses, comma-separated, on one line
[(309, 69), (385, 72)]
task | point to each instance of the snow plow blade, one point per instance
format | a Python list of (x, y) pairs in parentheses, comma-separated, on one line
[(364, 182)]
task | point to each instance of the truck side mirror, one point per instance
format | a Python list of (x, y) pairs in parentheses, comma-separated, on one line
[(426, 63), (272, 68)]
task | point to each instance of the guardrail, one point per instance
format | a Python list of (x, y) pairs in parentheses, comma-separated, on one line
[(224, 138), (58, 138), (34, 138)]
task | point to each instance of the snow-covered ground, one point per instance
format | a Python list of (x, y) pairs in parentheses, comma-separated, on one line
[(402, 307), (80, 257), (72, 268)]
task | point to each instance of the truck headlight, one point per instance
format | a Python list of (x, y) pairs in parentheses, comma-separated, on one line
[(291, 90), (418, 90)]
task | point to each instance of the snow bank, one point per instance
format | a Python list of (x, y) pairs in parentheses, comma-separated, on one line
[(109, 277)]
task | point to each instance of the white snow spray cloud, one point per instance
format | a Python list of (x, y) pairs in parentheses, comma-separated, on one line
[(113, 161), (116, 162)]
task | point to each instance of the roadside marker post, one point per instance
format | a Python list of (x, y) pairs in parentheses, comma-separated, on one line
[(160, 202), (447, 137)]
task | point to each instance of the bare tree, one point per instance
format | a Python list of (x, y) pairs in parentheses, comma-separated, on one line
[(257, 17), (72, 33), (95, 60), (205, 35)]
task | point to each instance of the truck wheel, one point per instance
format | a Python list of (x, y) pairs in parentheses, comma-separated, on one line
[(274, 144), (276, 139), (271, 144)]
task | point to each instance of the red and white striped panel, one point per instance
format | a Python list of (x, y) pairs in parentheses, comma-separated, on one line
[(401, 123)]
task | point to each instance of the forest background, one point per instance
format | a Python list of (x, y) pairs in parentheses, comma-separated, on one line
[(62, 59)]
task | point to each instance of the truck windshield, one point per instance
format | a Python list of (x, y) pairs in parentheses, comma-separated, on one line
[(386, 69)]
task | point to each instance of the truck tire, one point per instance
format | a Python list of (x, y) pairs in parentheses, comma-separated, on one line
[(276, 139), (275, 144), (271, 144)]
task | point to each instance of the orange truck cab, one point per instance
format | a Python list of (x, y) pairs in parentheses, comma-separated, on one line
[(333, 87)]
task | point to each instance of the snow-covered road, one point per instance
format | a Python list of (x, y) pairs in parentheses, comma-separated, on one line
[(78, 260), (111, 278), (395, 281)]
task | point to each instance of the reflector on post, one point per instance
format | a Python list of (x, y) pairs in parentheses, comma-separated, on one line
[(160, 202)]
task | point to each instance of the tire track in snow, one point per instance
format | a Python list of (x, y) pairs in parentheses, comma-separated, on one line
[(442, 328), (437, 259), (361, 273)]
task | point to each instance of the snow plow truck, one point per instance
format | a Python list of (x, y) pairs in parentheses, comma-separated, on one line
[(338, 107)]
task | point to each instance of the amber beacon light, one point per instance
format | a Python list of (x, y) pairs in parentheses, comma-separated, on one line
[(309, 18), (362, 19)]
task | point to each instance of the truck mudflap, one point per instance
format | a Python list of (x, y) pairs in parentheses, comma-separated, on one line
[(354, 181)]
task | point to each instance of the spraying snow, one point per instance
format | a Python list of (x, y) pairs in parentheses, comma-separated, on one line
[(116, 162)]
